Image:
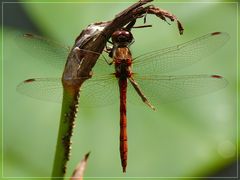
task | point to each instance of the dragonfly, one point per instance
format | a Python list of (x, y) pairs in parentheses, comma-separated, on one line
[(147, 75)]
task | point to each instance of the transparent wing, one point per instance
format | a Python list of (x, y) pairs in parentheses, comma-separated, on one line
[(103, 67), (99, 92), (94, 92), (41, 48), (180, 56), (163, 89), (48, 89)]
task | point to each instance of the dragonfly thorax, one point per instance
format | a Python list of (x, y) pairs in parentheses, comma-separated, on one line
[(123, 68)]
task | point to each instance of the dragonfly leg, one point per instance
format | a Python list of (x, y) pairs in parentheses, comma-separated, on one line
[(110, 42), (108, 62), (109, 49), (140, 93), (133, 40)]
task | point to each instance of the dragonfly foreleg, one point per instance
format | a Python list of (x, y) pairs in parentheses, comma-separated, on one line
[(108, 49), (140, 93), (109, 63), (110, 42)]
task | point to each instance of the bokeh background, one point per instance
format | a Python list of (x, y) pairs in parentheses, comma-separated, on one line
[(196, 137)]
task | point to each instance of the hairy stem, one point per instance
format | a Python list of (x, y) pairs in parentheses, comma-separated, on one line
[(68, 114)]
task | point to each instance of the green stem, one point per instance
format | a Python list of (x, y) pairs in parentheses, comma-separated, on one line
[(68, 114)]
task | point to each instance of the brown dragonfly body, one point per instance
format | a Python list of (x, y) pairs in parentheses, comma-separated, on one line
[(122, 59)]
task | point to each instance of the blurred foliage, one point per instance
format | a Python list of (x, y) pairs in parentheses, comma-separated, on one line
[(187, 138)]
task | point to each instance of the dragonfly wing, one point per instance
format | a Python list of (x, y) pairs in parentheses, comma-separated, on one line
[(103, 67), (163, 89), (94, 92), (98, 92), (46, 50), (101, 89), (180, 56), (47, 89)]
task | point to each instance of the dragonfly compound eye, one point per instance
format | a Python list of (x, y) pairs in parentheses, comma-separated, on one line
[(122, 36)]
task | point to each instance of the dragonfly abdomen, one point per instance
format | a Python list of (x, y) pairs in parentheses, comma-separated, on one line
[(123, 123)]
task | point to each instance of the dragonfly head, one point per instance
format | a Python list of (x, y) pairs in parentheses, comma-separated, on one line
[(122, 37)]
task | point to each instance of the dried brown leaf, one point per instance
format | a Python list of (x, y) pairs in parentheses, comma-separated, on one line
[(81, 167)]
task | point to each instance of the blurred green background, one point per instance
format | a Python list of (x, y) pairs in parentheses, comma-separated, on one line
[(192, 138)]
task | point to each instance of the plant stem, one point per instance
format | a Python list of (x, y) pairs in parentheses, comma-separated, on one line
[(67, 120)]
